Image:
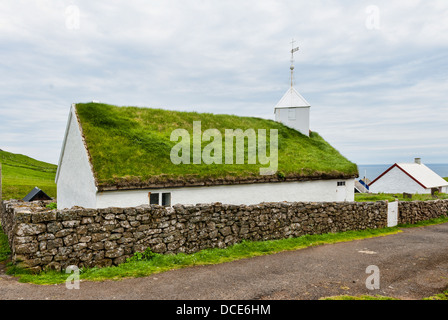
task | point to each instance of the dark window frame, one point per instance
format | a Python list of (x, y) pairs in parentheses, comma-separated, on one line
[(166, 199), (153, 197)]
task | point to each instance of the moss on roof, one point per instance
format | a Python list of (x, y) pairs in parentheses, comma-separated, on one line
[(129, 147)]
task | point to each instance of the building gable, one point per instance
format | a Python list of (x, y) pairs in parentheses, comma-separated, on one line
[(396, 180), (75, 181)]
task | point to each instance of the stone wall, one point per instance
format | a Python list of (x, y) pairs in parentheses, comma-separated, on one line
[(41, 238), (415, 211)]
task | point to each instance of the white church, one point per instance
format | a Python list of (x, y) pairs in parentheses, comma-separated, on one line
[(77, 184)]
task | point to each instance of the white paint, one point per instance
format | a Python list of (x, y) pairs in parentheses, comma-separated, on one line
[(392, 214), (341, 192), (396, 181), (293, 111), (423, 174), (367, 252), (319, 190), (74, 178), (292, 99), (301, 122)]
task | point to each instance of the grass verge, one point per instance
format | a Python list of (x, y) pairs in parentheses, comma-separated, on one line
[(439, 296), (363, 197), (362, 297)]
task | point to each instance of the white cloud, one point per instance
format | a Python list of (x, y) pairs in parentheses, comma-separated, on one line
[(380, 90)]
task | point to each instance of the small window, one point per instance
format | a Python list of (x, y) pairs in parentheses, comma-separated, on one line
[(341, 183), (153, 198), (291, 114), (166, 199)]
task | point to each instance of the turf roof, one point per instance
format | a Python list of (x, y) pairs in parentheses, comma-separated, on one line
[(129, 147)]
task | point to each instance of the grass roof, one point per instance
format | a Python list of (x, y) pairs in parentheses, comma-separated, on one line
[(129, 147)]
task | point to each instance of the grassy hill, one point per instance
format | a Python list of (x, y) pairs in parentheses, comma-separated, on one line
[(21, 174), (131, 146)]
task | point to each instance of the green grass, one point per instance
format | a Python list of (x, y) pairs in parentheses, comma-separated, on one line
[(131, 145), (5, 251), (21, 174), (440, 296), (363, 197), (362, 297)]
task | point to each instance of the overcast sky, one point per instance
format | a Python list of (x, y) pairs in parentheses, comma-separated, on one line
[(374, 72)]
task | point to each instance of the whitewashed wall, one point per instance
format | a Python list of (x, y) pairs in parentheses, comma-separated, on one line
[(300, 123), (75, 182), (320, 190), (396, 181)]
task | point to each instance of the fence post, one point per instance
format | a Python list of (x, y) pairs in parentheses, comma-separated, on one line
[(392, 213)]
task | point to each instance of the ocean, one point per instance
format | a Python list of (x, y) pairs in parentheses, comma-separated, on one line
[(372, 171)]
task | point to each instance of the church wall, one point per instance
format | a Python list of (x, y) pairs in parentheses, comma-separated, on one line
[(75, 181), (247, 194), (300, 120)]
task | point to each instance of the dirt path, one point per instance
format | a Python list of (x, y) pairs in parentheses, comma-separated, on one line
[(413, 264)]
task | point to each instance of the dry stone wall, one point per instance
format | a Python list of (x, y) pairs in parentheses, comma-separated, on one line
[(415, 211), (41, 238)]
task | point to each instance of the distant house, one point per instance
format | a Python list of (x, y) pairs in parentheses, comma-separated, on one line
[(410, 178), (36, 194), (361, 186)]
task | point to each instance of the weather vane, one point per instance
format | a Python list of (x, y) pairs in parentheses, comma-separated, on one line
[(292, 59)]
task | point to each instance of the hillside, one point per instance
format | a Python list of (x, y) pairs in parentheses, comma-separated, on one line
[(130, 147), (21, 174)]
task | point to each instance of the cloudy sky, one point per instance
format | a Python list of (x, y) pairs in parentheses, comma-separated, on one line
[(374, 72)]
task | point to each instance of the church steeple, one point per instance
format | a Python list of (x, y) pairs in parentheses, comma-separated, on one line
[(293, 110)]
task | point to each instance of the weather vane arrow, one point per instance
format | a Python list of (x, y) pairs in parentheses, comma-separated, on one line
[(292, 59)]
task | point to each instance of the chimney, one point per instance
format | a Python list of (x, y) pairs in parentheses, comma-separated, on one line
[(418, 160)]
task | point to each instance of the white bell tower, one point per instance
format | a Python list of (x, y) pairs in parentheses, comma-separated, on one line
[(293, 110)]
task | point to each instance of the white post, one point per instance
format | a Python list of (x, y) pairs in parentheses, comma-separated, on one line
[(392, 213)]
